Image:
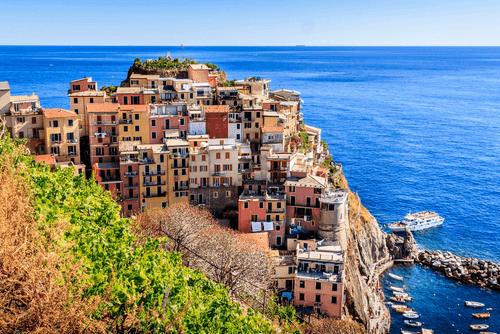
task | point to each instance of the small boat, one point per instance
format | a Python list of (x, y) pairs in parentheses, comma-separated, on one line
[(473, 304), (397, 299), (411, 315), (401, 308), (401, 294), (394, 288), (479, 327), (487, 333), (408, 332), (481, 315), (396, 277), (411, 323)]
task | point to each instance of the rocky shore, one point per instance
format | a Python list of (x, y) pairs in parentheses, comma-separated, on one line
[(465, 270)]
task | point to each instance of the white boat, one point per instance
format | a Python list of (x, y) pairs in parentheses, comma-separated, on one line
[(396, 289), (411, 323), (411, 315), (401, 294), (396, 277), (479, 327), (417, 221), (473, 304), (408, 332)]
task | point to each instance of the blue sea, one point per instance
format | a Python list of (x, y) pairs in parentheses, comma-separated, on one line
[(416, 128)]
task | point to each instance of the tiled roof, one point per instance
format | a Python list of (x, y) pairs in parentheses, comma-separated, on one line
[(128, 146), (273, 129), (261, 239), (134, 107), (88, 93), (216, 108), (4, 85), (309, 181), (48, 159), (22, 98), (89, 79), (57, 112), (144, 76), (129, 90), (103, 107)]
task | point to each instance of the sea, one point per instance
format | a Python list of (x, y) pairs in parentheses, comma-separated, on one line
[(416, 128)]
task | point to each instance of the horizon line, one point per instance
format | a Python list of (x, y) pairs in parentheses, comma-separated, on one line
[(260, 46)]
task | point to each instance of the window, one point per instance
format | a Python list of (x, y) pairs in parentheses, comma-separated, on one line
[(335, 287), (190, 95), (162, 158), (76, 111), (302, 284), (318, 298), (137, 128), (203, 158), (125, 100), (118, 187), (134, 100), (292, 189), (228, 155), (91, 100), (278, 228), (255, 218), (153, 99), (182, 96), (70, 122), (56, 124), (183, 172), (153, 135), (33, 120), (301, 296), (290, 270), (125, 128), (238, 126), (261, 205), (106, 186), (245, 205), (153, 122), (216, 194), (228, 194), (217, 155), (129, 207), (136, 116), (292, 200), (55, 150), (181, 121), (21, 134), (75, 100), (256, 125), (318, 285), (70, 136), (258, 114), (334, 300), (238, 137), (134, 82), (163, 205), (76, 87)]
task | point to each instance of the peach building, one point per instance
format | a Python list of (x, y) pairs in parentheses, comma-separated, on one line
[(62, 135)]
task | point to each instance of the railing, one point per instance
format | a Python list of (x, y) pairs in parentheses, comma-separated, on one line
[(72, 153), (153, 173), (181, 166), (125, 121), (56, 142), (131, 186), (171, 127), (151, 184), (130, 174), (131, 198), (181, 188), (106, 122), (110, 179), (123, 159), (219, 173), (275, 210), (162, 194), (147, 161), (72, 141)]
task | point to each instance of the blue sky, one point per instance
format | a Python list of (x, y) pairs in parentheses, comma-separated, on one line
[(254, 22)]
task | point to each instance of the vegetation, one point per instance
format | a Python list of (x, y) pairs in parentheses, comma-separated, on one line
[(325, 145), (212, 66), (229, 83), (69, 262), (304, 144), (164, 63), (109, 89)]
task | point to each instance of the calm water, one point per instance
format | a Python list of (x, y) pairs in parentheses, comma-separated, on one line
[(415, 128)]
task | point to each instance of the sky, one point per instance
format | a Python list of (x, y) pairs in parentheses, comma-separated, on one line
[(252, 22)]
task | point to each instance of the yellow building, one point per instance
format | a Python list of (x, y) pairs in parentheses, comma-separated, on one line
[(178, 171), (144, 80), (79, 102), (62, 135), (153, 166), (134, 123)]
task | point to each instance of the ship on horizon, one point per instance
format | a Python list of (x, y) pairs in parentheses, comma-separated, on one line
[(417, 221)]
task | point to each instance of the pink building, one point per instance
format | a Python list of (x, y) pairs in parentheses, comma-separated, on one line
[(82, 85)]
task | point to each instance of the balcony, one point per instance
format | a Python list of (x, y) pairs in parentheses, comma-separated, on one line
[(72, 141), (129, 160), (72, 154), (147, 161), (219, 173), (106, 123), (162, 194), (125, 121), (105, 134), (181, 188), (131, 186), (152, 184), (131, 198), (153, 173), (177, 166), (57, 142), (111, 179), (171, 127), (130, 174), (275, 210)]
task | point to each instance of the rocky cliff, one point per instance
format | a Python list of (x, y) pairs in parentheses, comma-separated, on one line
[(366, 248)]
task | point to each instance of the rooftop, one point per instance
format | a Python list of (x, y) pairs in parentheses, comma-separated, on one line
[(48, 159), (334, 196), (103, 107), (216, 108), (199, 67), (89, 79), (156, 148), (273, 129), (57, 112), (176, 142), (129, 90), (128, 146), (88, 93), (24, 98), (4, 85), (309, 181), (261, 239), (144, 76)]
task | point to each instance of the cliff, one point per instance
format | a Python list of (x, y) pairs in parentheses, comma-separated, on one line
[(366, 247)]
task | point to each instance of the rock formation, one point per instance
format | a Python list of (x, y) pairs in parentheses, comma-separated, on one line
[(402, 248)]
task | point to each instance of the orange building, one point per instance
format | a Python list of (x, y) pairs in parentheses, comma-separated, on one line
[(62, 135)]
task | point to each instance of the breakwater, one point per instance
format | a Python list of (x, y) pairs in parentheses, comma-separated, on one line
[(466, 270)]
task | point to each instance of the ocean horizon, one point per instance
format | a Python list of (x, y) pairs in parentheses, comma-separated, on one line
[(415, 128)]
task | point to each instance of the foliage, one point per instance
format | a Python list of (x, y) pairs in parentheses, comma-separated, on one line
[(325, 145), (229, 83), (103, 259), (109, 89), (211, 66), (164, 63)]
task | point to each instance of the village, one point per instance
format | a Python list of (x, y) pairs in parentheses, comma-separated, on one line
[(238, 149)]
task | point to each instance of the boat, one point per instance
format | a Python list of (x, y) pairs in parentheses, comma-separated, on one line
[(411, 323), (487, 333), (394, 288), (473, 304), (479, 327), (401, 309), (408, 332), (401, 294), (481, 315), (417, 221), (396, 277), (411, 315), (400, 299)]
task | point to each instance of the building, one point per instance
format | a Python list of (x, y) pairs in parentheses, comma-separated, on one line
[(199, 174), (154, 163), (198, 72), (83, 92), (129, 174), (319, 282), (134, 121), (62, 135), (217, 122), (104, 130), (178, 171), (4, 98)]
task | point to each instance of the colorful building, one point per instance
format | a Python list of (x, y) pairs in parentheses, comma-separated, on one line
[(217, 122), (62, 135)]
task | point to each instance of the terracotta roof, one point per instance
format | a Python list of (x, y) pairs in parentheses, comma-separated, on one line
[(216, 108), (273, 129), (309, 181), (48, 159), (89, 93), (129, 90), (199, 67), (103, 107), (261, 239), (58, 112), (134, 107), (144, 76), (89, 79)]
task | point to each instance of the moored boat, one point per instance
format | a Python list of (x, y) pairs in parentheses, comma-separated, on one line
[(473, 304), (411, 323), (396, 289), (417, 221), (479, 327), (408, 332), (481, 315), (401, 294), (411, 315), (396, 277)]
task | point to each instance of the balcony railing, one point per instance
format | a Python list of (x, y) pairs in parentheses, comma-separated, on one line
[(127, 159), (152, 184), (105, 122), (153, 173), (131, 186), (130, 174), (181, 166), (110, 179), (181, 188), (219, 173), (126, 121), (162, 194), (131, 198), (171, 127), (72, 141), (56, 142), (72, 153), (147, 161), (275, 210)]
